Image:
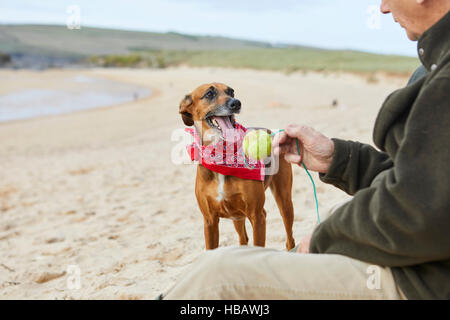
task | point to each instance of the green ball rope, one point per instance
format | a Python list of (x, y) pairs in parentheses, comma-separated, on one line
[(306, 169)]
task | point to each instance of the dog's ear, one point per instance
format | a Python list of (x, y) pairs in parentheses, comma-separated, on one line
[(185, 111)]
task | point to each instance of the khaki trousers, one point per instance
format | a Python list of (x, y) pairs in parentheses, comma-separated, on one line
[(252, 273)]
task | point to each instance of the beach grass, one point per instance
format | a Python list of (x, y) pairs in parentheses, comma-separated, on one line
[(279, 59)]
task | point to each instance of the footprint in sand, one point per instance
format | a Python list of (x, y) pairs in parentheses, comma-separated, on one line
[(48, 276), (169, 257)]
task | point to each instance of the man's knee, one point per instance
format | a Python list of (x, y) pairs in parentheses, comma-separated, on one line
[(214, 266)]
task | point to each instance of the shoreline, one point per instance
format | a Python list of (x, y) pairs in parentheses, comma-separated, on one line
[(96, 92), (59, 115)]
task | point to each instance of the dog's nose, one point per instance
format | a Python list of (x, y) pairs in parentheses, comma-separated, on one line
[(234, 104)]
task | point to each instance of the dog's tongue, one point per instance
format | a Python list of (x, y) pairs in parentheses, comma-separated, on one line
[(226, 126)]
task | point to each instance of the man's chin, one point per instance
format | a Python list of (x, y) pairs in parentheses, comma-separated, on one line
[(412, 36)]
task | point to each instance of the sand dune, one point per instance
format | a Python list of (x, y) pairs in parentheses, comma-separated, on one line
[(97, 189)]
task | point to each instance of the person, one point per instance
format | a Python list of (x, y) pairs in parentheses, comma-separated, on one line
[(391, 240)]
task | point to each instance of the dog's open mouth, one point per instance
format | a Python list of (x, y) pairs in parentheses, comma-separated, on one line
[(223, 124)]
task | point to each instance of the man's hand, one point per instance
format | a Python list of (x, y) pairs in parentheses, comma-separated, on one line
[(316, 150), (303, 246)]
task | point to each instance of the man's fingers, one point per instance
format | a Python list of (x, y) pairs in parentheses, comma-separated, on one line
[(278, 139), (302, 248), (303, 133), (292, 158), (304, 245), (276, 151), (279, 144), (281, 149)]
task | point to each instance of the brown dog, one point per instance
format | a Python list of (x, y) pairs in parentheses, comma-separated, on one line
[(220, 196)]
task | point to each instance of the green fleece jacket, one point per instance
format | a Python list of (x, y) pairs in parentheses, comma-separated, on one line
[(399, 215)]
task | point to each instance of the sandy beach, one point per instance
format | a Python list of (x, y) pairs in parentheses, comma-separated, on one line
[(98, 190)]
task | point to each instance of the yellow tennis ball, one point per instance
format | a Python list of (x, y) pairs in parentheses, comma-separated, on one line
[(257, 144)]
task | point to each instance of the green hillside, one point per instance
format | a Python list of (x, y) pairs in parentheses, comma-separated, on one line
[(95, 41), (292, 60), (119, 48)]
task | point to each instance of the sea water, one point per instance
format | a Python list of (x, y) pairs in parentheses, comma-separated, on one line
[(79, 93)]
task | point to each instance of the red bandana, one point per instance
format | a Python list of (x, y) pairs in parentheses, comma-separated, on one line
[(225, 157)]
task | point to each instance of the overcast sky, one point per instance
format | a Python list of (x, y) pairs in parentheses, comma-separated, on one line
[(335, 24)]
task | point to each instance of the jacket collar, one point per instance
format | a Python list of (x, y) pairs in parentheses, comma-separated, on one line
[(434, 43)]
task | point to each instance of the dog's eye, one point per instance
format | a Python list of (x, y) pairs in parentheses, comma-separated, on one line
[(230, 92), (209, 95)]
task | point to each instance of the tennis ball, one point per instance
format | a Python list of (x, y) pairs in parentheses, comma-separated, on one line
[(257, 144)]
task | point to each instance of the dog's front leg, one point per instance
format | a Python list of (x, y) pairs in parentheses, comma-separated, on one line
[(211, 230), (239, 225), (258, 221), (210, 221)]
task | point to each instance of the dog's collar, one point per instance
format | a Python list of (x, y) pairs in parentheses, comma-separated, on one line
[(226, 158)]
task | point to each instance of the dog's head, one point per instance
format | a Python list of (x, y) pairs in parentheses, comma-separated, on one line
[(211, 109)]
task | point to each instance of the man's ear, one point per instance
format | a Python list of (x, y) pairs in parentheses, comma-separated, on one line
[(185, 111)]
